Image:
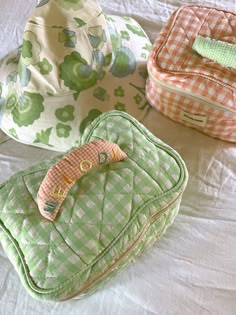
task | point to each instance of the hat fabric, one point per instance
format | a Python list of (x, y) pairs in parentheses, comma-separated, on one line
[(75, 62)]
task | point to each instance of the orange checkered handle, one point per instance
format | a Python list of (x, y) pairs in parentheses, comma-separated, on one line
[(61, 176)]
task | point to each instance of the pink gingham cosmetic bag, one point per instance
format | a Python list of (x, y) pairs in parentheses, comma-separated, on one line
[(192, 73)]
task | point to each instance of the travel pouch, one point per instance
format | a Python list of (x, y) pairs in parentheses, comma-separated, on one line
[(70, 224), (192, 70)]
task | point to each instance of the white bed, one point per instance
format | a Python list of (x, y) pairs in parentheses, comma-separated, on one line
[(192, 269)]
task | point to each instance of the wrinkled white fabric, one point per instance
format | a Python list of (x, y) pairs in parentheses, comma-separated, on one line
[(192, 269)]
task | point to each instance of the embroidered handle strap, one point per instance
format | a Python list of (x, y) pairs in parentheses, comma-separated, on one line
[(222, 52), (61, 176)]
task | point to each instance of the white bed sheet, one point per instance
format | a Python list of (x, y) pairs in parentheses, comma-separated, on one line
[(192, 269)]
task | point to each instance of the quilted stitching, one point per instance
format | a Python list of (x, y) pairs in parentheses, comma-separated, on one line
[(171, 104), (102, 216), (176, 52), (61, 177), (173, 61)]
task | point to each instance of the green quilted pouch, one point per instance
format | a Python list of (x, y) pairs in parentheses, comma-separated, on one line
[(109, 216)]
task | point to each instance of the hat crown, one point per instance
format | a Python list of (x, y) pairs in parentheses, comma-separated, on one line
[(65, 13), (61, 37)]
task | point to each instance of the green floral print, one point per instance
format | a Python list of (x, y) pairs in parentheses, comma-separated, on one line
[(67, 37), (31, 49), (44, 66), (66, 113), (71, 4), (76, 73), (28, 109), (63, 131)]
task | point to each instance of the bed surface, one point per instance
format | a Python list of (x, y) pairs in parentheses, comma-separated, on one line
[(192, 269)]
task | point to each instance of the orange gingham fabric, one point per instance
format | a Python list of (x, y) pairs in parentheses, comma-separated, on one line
[(173, 62), (61, 176)]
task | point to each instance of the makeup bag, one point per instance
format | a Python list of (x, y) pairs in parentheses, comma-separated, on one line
[(70, 224), (192, 70)]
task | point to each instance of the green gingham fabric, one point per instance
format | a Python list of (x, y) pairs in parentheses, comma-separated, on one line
[(222, 52), (110, 216)]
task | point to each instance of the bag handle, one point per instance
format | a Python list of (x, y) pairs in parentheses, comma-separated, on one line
[(61, 176), (222, 52)]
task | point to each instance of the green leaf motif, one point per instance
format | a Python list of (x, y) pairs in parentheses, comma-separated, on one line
[(99, 59), (93, 114), (13, 133), (24, 74), (125, 35), (143, 74), (147, 47), (71, 4), (13, 60), (76, 95), (138, 98), (109, 18), (12, 77), (33, 22), (43, 137), (101, 94), (126, 18), (97, 36), (140, 89), (108, 59), (146, 104), (120, 106), (115, 39), (136, 30), (67, 37), (57, 26), (80, 22)]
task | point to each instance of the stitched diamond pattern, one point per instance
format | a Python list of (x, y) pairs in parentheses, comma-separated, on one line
[(182, 80), (100, 216)]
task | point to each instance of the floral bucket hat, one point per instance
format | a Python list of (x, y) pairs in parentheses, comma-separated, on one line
[(75, 62)]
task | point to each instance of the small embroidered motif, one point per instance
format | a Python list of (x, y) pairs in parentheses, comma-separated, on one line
[(58, 192), (103, 157), (62, 176), (85, 165), (67, 179), (115, 156), (50, 206)]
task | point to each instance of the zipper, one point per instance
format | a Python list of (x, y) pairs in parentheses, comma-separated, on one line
[(191, 95), (146, 227)]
